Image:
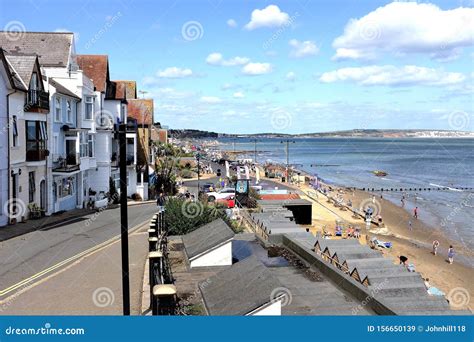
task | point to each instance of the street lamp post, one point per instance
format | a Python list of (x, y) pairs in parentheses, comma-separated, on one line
[(122, 133), (287, 142), (198, 157)]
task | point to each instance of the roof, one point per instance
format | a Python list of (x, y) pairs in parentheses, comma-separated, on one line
[(62, 89), (53, 48), (126, 88), (240, 289), (141, 110), (206, 237), (15, 80), (23, 66), (96, 67)]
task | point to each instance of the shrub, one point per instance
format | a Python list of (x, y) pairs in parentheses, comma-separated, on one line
[(136, 197), (186, 174), (182, 216)]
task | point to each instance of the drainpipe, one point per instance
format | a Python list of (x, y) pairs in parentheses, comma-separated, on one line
[(8, 144)]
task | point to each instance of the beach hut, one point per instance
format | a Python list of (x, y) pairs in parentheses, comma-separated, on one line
[(209, 245), (246, 289)]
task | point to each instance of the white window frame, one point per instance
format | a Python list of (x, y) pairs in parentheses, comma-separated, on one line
[(89, 100), (15, 140), (69, 111), (56, 108), (91, 145)]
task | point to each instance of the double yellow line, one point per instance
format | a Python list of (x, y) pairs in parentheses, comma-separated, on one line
[(38, 275)]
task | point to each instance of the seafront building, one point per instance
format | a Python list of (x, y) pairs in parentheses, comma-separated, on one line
[(60, 152)]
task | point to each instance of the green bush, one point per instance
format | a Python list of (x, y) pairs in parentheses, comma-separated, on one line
[(182, 217)]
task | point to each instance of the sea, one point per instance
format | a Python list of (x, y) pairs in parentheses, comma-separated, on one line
[(426, 163)]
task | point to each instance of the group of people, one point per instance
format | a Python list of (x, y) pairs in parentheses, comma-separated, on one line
[(450, 259)]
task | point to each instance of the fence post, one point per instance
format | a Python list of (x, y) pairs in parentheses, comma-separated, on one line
[(153, 260), (164, 299), (152, 242)]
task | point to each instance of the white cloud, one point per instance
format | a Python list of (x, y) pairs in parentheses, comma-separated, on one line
[(216, 58), (210, 99), (270, 16), (291, 76), (257, 69), (239, 95), (401, 28), (390, 75), (303, 49), (174, 72), (232, 23)]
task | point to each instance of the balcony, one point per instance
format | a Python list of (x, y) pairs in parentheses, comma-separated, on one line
[(36, 151), (37, 101), (66, 163)]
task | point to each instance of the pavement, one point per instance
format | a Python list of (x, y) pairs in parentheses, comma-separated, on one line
[(67, 261)]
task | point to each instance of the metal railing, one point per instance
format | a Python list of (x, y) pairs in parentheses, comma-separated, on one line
[(36, 99), (162, 291)]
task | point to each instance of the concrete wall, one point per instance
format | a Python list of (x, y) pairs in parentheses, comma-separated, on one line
[(221, 256), (343, 280)]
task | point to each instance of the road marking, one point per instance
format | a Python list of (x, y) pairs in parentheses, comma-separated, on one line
[(68, 260)]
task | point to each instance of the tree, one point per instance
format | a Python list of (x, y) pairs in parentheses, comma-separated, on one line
[(165, 175)]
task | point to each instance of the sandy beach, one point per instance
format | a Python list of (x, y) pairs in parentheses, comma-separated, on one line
[(456, 280)]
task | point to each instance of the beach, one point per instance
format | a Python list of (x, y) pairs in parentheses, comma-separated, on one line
[(411, 240), (454, 280)]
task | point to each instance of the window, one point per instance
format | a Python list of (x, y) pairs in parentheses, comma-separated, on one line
[(55, 146), (67, 187), (91, 145), (36, 137), (15, 131), (57, 109), (89, 107), (83, 145), (68, 111), (32, 187)]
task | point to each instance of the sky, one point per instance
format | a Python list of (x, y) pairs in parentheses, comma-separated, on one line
[(295, 66)]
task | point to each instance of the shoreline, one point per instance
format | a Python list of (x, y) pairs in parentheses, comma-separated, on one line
[(415, 243)]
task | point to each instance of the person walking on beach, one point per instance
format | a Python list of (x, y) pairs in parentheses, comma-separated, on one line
[(373, 199), (450, 254), (415, 213), (403, 200), (410, 226), (435, 247)]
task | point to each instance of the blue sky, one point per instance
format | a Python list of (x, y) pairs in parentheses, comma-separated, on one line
[(279, 66)]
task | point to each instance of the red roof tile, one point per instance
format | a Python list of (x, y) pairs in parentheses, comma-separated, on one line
[(96, 67), (141, 110)]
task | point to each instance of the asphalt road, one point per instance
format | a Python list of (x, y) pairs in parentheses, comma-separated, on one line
[(26, 255)]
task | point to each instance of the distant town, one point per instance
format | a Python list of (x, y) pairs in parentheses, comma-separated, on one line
[(363, 133)]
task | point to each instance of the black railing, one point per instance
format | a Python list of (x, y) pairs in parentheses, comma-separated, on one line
[(66, 163), (36, 99)]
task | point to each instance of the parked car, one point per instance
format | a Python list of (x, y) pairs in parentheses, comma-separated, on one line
[(206, 187), (221, 194), (229, 202)]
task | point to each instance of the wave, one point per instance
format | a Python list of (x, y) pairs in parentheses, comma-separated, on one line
[(446, 187)]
